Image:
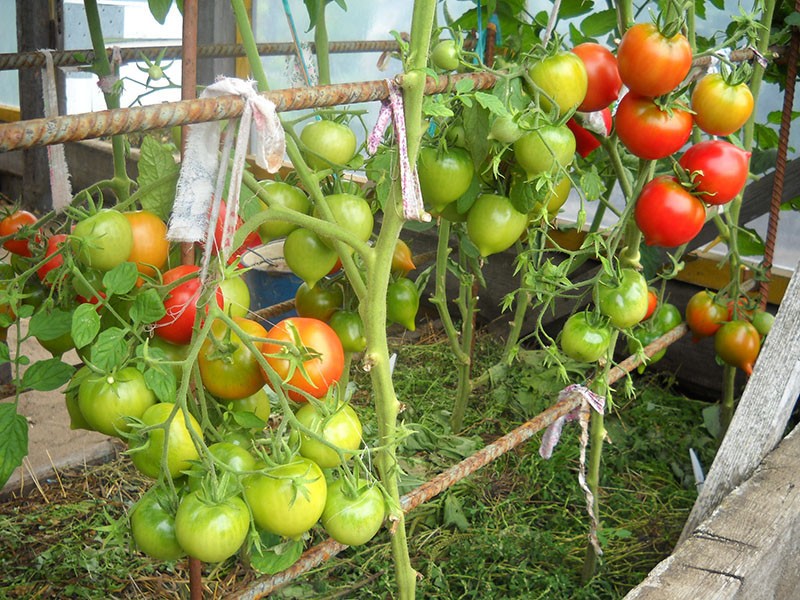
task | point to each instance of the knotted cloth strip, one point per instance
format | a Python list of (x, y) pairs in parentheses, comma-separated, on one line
[(202, 176), (60, 186), (553, 433), (392, 111)]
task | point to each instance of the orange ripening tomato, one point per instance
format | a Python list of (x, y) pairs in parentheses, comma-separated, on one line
[(150, 246)]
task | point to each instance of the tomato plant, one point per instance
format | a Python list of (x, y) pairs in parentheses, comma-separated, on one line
[(287, 499), (147, 449), (13, 224), (328, 144), (106, 400), (603, 80), (624, 299), (721, 108), (652, 63), (308, 342), (153, 527), (103, 240), (585, 337), (737, 343), (667, 213), (257, 403), (720, 170), (650, 131), (228, 368), (444, 175), (560, 81), (353, 516), (209, 530), (402, 303), (342, 428), (704, 315), (181, 304)]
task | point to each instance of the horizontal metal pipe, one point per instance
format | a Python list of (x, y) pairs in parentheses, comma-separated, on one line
[(318, 554), (71, 128), (80, 58)]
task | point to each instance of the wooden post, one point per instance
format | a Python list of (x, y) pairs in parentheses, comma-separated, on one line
[(763, 412), (216, 25), (39, 25)]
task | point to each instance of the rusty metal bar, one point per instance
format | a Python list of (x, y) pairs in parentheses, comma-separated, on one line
[(315, 556), (78, 58), (71, 128)]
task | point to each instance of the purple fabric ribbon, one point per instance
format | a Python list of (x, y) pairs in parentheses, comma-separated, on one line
[(392, 111)]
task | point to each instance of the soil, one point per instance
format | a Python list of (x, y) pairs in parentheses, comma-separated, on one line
[(52, 445)]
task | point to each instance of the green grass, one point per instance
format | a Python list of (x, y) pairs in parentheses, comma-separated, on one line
[(515, 529)]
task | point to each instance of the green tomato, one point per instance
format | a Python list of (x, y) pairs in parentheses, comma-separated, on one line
[(561, 78), (585, 338), (353, 517), (103, 240), (493, 224), (211, 531), (258, 404), (763, 321), (146, 450), (545, 150), (350, 328), (319, 302), (342, 428), (351, 212), (624, 300), (153, 526), (106, 400), (444, 55), (402, 303), (666, 318), (308, 256), (444, 176), (235, 296), (327, 144), (287, 196)]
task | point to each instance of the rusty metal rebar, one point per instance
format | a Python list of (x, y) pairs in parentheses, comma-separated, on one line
[(71, 128), (81, 58), (318, 554)]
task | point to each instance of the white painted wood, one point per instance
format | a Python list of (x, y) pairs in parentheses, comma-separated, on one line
[(763, 412)]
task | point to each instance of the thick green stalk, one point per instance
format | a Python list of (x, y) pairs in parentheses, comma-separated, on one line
[(121, 183), (321, 43), (467, 300), (597, 434)]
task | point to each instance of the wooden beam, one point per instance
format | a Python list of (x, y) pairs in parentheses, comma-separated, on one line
[(763, 411)]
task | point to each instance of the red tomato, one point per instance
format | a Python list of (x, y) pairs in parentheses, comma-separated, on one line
[(651, 64), (54, 243), (253, 240), (737, 343), (603, 74), (312, 343), (12, 224), (648, 131), (704, 316), (177, 325), (667, 214), (586, 141), (652, 303), (721, 170)]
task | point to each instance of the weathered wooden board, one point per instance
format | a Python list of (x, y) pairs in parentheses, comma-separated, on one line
[(747, 549), (763, 411)]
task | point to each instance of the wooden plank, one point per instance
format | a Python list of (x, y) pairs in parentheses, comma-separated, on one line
[(763, 412), (216, 25), (747, 548)]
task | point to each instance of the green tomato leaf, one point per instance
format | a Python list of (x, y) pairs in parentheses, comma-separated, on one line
[(156, 164), (110, 349), (121, 279), (47, 375), (432, 107), (85, 324), (476, 126), (5, 354), (491, 103), (791, 204), (162, 383), (454, 513), (749, 242), (464, 86), (13, 440), (50, 324), (159, 9), (247, 419), (574, 8), (147, 307), (592, 184), (599, 23), (269, 555)]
